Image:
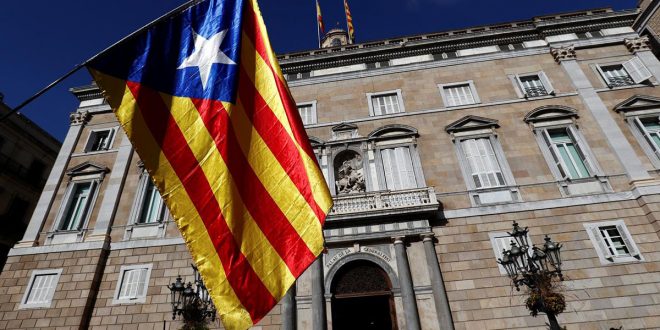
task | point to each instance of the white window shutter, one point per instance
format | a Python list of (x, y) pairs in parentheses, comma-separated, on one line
[(647, 136), (559, 162), (546, 83), (637, 71), (627, 240), (387, 167), (595, 231), (582, 149), (521, 86)]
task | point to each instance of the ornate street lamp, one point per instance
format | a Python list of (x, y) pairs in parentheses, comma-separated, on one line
[(535, 268), (193, 304)]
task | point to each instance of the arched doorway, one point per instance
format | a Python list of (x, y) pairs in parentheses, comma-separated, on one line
[(362, 298)]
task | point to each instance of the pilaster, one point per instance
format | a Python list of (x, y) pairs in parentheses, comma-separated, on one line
[(624, 152), (31, 236), (407, 288)]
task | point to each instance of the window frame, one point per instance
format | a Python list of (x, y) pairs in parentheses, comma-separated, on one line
[(626, 65), (601, 247), (543, 78), (313, 105), (66, 204), (553, 157), (383, 172), (91, 137), (40, 272), (142, 298), (399, 97), (445, 98), (634, 120)]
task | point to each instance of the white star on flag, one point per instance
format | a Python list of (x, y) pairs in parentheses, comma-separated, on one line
[(206, 53)]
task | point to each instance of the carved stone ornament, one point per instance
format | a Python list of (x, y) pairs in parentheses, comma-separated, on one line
[(637, 44), (563, 53), (80, 118), (349, 173)]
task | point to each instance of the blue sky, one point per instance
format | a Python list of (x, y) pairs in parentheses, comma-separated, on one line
[(40, 41)]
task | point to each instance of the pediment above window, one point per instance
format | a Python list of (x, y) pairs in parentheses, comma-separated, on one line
[(637, 103), (550, 113), (344, 131), (394, 130), (315, 142), (88, 169), (470, 123)]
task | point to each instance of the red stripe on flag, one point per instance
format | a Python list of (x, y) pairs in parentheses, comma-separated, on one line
[(277, 139), (266, 213), (252, 293), (252, 30)]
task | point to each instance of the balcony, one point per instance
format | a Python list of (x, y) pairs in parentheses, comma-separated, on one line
[(384, 204)]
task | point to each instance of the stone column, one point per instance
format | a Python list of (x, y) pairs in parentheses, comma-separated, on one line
[(624, 152), (439, 292), (319, 321), (289, 309), (31, 236), (113, 191), (640, 47), (407, 289)]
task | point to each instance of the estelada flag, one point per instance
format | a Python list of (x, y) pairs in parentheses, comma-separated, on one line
[(349, 22), (319, 17), (204, 102)]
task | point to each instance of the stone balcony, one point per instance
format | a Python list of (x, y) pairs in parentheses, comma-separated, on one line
[(378, 204)]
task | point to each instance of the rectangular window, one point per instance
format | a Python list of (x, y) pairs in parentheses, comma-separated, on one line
[(535, 85), (483, 165), (132, 285), (613, 242), (77, 206), (100, 140), (307, 114), (456, 95), (41, 288), (152, 205), (385, 104), (650, 127), (616, 75), (568, 157), (398, 168)]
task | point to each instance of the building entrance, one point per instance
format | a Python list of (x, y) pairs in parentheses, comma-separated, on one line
[(362, 298)]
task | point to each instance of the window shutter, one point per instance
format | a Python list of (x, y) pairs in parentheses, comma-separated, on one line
[(108, 142), (546, 83), (582, 149), (142, 283), (627, 239), (405, 166), (595, 231), (521, 86), (555, 154), (637, 71), (647, 136), (387, 167), (88, 202), (470, 157)]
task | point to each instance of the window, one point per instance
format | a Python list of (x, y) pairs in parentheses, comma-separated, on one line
[(613, 242), (41, 288), (398, 168), (482, 164), (132, 284), (385, 103), (307, 113), (459, 94), (650, 128), (78, 205), (534, 85), (152, 204), (627, 73), (569, 159), (100, 140)]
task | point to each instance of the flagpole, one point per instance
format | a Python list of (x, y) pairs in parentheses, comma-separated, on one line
[(75, 69)]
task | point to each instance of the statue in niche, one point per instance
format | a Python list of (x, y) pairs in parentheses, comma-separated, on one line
[(349, 173)]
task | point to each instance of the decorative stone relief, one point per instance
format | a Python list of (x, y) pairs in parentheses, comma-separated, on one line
[(637, 44), (80, 118), (563, 53), (349, 173)]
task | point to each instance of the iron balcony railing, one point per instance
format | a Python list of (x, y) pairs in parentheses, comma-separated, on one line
[(535, 91), (620, 81)]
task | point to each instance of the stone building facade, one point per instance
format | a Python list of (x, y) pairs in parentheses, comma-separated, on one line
[(432, 145), (27, 154)]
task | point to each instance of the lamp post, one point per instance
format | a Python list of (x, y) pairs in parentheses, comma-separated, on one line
[(193, 304), (535, 268)]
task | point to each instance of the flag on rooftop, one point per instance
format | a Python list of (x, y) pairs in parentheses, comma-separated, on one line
[(203, 100), (349, 22), (319, 17)]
